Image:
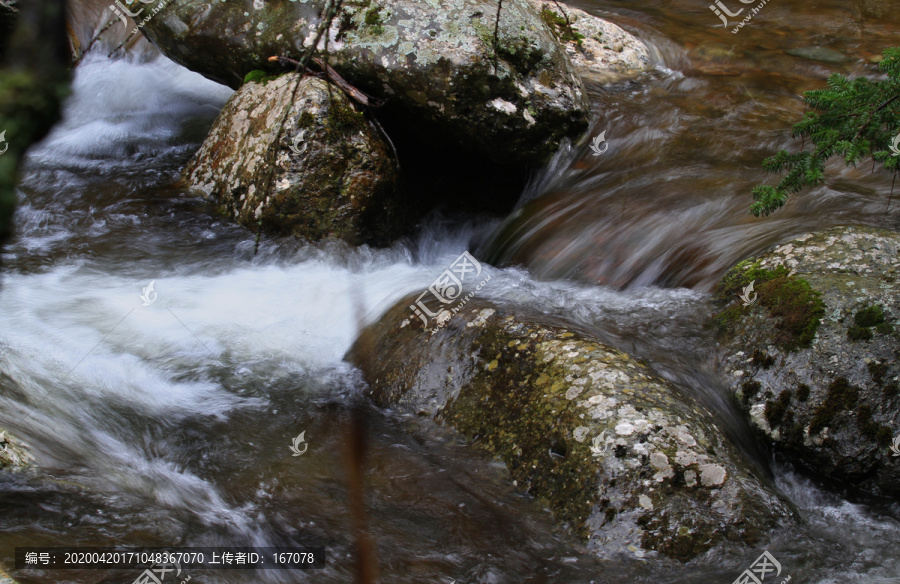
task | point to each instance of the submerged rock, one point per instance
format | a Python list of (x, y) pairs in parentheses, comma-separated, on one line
[(823, 54), (815, 358), (437, 61), (600, 50), (330, 175), (617, 453)]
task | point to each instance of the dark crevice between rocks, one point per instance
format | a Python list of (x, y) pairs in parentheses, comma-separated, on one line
[(439, 173)]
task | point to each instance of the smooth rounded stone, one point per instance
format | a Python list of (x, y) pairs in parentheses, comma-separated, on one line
[(434, 60), (606, 53), (823, 54), (828, 401), (620, 456), (13, 454), (330, 175)]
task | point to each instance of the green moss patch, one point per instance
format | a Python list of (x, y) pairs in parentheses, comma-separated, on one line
[(561, 27), (841, 397), (790, 299), (865, 320), (763, 359), (802, 392), (259, 76), (775, 409), (870, 428)]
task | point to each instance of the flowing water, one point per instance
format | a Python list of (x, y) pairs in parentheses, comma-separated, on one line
[(169, 423)]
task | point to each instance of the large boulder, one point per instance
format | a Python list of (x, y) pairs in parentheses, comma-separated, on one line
[(512, 100), (619, 455), (814, 356), (330, 174)]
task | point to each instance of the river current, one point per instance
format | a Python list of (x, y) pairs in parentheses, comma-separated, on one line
[(168, 423)]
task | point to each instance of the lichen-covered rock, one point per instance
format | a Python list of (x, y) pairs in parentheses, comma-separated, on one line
[(600, 50), (619, 455), (5, 578), (815, 358), (331, 174), (13, 454), (436, 60)]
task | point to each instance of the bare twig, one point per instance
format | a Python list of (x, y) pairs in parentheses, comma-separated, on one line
[(94, 40), (497, 34), (328, 14), (351, 91), (123, 43)]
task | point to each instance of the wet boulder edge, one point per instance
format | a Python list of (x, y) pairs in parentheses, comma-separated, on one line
[(620, 457), (813, 352), (513, 100)]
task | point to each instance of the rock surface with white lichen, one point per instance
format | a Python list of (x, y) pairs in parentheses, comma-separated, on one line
[(621, 456), (815, 357), (513, 99), (330, 174), (601, 51)]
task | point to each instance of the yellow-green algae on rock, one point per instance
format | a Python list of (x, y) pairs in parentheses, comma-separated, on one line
[(621, 457)]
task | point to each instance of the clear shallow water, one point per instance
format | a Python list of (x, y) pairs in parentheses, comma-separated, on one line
[(169, 424)]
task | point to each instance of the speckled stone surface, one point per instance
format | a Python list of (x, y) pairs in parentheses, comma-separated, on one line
[(607, 53), (340, 182), (434, 59), (835, 405), (5, 578), (619, 455), (13, 454)]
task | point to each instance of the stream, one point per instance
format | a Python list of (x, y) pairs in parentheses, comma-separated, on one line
[(168, 423)]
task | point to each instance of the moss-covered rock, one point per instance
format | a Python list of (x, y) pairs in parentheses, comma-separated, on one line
[(620, 456), (600, 50), (824, 313), (513, 101), (330, 175)]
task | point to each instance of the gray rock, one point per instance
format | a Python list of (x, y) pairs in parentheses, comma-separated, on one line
[(5, 578), (13, 454), (823, 54), (433, 59), (340, 182), (829, 400), (601, 51), (617, 453)]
